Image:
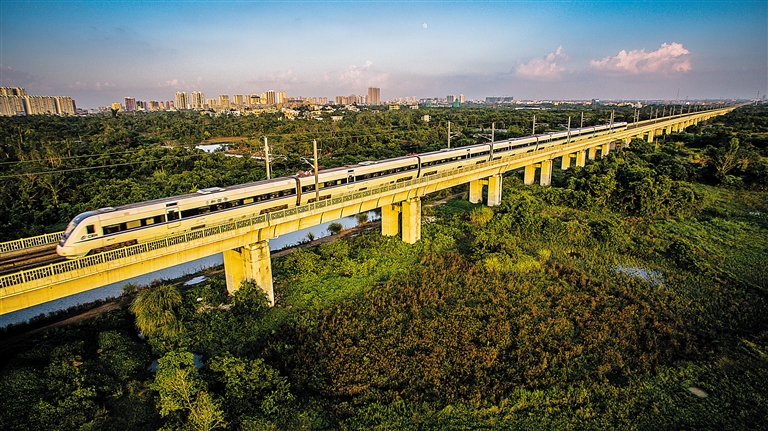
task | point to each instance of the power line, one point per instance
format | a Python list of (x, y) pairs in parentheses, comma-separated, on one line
[(95, 167), (69, 157)]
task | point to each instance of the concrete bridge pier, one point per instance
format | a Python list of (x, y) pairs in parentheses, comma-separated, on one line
[(411, 220), (566, 162), (390, 220), (494, 190), (530, 174), (545, 179), (581, 158), (250, 262), (651, 134), (403, 218), (605, 149), (593, 153), (476, 191)]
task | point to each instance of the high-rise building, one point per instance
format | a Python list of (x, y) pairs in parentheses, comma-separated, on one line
[(450, 98), (374, 96), (280, 97), (198, 100), (254, 99), (461, 98), (237, 100), (130, 104), (65, 105), (12, 91), (224, 101), (182, 100), (270, 96)]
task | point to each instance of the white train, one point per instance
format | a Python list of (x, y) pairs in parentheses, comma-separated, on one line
[(113, 227)]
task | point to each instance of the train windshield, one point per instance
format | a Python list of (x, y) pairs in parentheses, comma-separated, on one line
[(72, 225)]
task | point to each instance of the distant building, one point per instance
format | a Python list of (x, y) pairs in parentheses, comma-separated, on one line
[(450, 98), (16, 101), (12, 91), (130, 104), (461, 98), (198, 100), (182, 100), (374, 96), (497, 99), (224, 101), (238, 100)]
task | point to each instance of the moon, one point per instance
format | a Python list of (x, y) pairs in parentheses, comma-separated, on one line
[(424, 25)]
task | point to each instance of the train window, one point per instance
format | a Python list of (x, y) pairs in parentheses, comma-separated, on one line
[(133, 224), (247, 201), (111, 229), (90, 229), (173, 215)]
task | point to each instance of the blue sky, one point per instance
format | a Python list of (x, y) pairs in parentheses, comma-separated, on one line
[(99, 52)]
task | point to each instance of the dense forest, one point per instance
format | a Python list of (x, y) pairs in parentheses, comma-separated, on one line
[(632, 294)]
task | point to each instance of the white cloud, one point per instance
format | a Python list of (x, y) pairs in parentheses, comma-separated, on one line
[(669, 58), (276, 79), (99, 86), (362, 76), (547, 67), (173, 83)]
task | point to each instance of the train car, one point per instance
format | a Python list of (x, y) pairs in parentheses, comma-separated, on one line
[(114, 227), (359, 177), (453, 158), (510, 147)]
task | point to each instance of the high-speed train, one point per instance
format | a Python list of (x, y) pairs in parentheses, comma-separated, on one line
[(114, 227)]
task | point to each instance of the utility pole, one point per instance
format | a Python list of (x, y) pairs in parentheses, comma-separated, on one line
[(317, 189), (449, 135), (266, 157), (569, 130), (534, 124), (582, 120)]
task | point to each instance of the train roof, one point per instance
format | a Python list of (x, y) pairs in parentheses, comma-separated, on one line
[(209, 190)]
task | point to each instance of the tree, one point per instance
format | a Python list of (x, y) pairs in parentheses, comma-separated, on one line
[(254, 390), (154, 313), (726, 158), (335, 228), (183, 394)]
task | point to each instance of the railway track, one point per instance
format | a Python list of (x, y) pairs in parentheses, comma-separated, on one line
[(29, 259)]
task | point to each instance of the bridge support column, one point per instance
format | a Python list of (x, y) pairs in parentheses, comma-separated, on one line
[(251, 262), (530, 173), (593, 153), (475, 191), (566, 163), (411, 220), (650, 136), (545, 178), (605, 149), (390, 220), (494, 190), (581, 158)]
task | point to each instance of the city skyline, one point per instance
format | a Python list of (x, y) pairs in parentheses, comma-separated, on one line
[(99, 53)]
